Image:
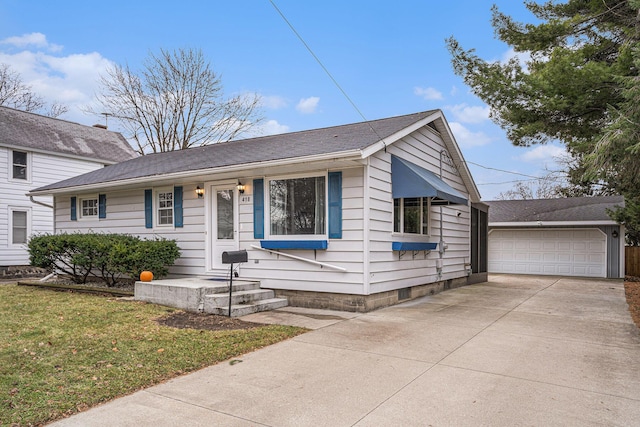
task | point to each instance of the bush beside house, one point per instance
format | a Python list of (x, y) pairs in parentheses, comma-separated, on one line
[(109, 257)]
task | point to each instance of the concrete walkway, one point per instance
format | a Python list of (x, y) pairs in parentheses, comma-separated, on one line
[(514, 351)]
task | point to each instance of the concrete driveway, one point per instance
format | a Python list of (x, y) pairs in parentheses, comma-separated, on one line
[(518, 350)]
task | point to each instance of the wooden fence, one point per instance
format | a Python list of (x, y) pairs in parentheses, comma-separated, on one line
[(632, 260)]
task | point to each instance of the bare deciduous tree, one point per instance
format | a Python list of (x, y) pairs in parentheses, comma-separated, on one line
[(16, 94), (547, 187), (175, 102)]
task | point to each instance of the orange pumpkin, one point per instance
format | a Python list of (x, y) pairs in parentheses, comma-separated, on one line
[(146, 276)]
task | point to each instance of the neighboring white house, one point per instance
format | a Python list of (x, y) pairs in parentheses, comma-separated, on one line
[(355, 216), (564, 237), (36, 151)]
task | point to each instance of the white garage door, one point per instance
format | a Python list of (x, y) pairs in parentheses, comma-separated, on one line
[(562, 252)]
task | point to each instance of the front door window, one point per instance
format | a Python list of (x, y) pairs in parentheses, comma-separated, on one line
[(224, 223), (224, 208)]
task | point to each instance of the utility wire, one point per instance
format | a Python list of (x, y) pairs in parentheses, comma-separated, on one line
[(507, 182), (335, 82), (355, 107), (502, 170)]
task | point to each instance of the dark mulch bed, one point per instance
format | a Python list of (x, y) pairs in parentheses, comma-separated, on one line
[(202, 321)]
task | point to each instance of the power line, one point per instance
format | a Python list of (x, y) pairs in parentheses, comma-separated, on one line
[(502, 170), (335, 82), (355, 107), (508, 182)]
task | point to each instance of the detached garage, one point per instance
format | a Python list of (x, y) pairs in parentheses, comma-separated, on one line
[(564, 237)]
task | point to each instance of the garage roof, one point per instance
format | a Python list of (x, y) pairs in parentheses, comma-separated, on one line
[(572, 209)]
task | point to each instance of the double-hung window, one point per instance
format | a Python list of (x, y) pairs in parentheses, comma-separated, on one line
[(411, 215), (20, 165), (297, 206), (165, 207), (19, 227), (89, 208)]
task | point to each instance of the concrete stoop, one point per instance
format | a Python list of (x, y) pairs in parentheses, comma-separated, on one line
[(209, 296)]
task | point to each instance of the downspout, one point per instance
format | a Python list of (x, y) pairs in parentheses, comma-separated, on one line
[(40, 203), (366, 217), (439, 261)]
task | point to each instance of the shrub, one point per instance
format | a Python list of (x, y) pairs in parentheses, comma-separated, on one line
[(153, 255), (106, 256)]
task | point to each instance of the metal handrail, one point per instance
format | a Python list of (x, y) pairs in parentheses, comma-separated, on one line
[(310, 261)]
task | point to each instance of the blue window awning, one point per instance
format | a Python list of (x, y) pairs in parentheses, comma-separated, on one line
[(410, 180)]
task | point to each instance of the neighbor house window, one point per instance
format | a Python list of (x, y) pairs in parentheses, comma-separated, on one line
[(89, 207), (411, 215), (19, 165), (18, 227), (297, 206), (165, 207)]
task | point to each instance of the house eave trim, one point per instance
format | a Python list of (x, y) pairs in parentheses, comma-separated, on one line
[(385, 142), (343, 155), (538, 224)]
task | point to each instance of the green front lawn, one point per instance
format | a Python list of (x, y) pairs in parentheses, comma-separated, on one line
[(63, 352)]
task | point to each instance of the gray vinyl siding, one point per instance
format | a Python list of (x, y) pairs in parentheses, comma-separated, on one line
[(44, 169), (125, 214), (279, 272), (364, 250), (387, 271), (615, 249)]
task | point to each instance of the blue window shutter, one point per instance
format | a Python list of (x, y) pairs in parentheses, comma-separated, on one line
[(102, 205), (74, 213), (148, 208), (258, 208), (335, 205), (178, 218)]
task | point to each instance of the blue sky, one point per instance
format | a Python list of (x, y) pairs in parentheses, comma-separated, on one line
[(389, 57)]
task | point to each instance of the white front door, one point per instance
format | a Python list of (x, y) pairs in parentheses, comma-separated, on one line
[(224, 223)]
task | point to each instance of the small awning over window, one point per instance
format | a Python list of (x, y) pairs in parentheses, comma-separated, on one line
[(409, 180)]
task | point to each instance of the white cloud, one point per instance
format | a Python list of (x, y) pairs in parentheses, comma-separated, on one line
[(274, 102), (522, 57), (469, 114), (467, 138), (543, 154), (71, 80), (308, 105), (37, 40), (427, 93), (270, 127)]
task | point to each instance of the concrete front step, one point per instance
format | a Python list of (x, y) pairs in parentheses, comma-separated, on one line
[(237, 297), (209, 296), (252, 307)]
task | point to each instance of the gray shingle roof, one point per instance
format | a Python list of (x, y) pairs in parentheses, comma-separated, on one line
[(35, 132), (335, 139), (567, 209)]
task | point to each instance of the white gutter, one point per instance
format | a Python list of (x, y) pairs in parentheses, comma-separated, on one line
[(39, 203), (310, 261), (355, 154), (551, 223)]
